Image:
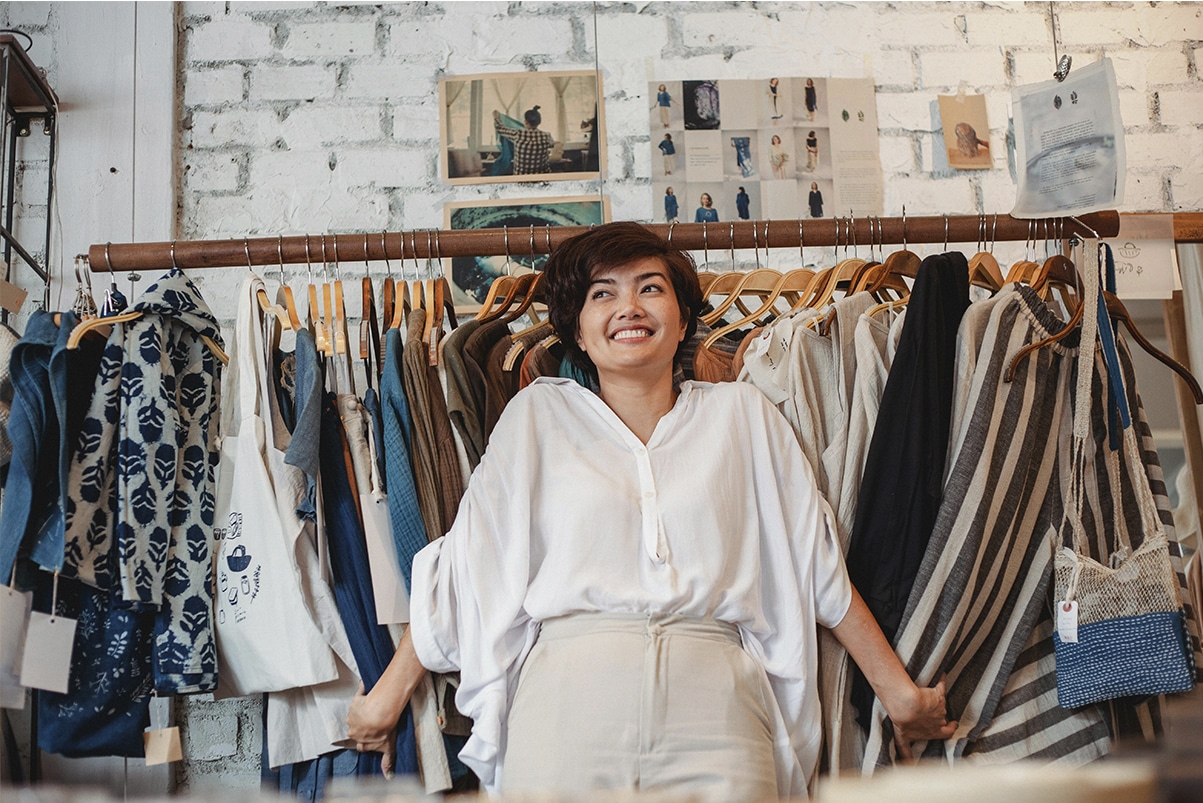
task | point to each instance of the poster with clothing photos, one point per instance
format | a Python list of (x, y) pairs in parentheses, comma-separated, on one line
[(779, 147)]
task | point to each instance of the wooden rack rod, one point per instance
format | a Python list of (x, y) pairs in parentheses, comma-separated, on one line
[(423, 244)]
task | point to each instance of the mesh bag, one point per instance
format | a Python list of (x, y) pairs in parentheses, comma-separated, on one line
[(1130, 637)]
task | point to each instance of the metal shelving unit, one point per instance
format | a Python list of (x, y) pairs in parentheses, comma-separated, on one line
[(25, 98)]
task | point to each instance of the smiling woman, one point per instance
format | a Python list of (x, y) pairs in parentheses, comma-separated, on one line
[(623, 559)]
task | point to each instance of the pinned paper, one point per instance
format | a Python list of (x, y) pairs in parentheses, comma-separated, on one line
[(11, 296), (14, 616), (162, 746), (1145, 264), (46, 661), (1067, 621)]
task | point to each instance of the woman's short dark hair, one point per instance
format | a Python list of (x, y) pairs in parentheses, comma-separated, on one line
[(573, 265), (533, 117)]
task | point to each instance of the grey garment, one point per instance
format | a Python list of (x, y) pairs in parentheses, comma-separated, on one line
[(638, 735), (461, 404), (982, 621), (355, 427), (8, 339)]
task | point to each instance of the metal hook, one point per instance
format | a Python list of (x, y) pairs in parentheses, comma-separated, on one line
[(429, 251), (994, 233), (173, 265), (367, 266), (246, 246), (904, 227), (280, 256), (308, 259), (505, 231), (731, 235), (325, 261), (384, 250), (108, 262), (705, 246), (670, 233), (334, 244), (756, 246), (532, 245), (852, 232), (547, 235), (801, 244), (946, 232)]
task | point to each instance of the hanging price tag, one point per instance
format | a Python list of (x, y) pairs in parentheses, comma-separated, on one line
[(14, 616), (1067, 621), (161, 743), (46, 661)]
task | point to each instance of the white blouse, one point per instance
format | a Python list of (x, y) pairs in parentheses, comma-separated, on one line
[(717, 516)]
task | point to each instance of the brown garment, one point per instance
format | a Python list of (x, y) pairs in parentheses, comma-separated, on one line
[(737, 362), (461, 406), (450, 478), (414, 379), (476, 357), (539, 361)]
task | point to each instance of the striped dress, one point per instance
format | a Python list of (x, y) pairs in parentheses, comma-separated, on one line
[(979, 610)]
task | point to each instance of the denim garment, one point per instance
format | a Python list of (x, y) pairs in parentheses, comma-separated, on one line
[(370, 643), (671, 207), (33, 430), (504, 164), (303, 450), (307, 780), (8, 340), (409, 531), (107, 703)]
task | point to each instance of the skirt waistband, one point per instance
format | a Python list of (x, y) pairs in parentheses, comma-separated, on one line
[(651, 624)]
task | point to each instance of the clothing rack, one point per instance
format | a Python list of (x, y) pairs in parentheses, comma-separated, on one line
[(427, 244)]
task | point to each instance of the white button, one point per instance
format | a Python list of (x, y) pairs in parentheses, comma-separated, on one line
[(649, 494)]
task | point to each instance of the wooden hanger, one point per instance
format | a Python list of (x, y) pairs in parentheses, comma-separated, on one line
[(795, 284), (404, 306), (760, 282), (388, 289), (105, 324), (724, 285), (433, 299), (1119, 313), (265, 303), (984, 270)]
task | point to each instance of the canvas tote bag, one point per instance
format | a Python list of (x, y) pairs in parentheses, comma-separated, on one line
[(267, 639)]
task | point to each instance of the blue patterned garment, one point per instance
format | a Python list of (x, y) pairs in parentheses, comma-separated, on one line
[(144, 473)]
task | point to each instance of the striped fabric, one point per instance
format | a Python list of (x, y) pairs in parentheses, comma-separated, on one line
[(979, 610)]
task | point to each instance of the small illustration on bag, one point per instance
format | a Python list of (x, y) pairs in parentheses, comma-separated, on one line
[(237, 575)]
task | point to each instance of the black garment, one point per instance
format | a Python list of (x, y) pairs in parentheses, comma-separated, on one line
[(742, 201), (902, 484), (812, 101), (816, 203)]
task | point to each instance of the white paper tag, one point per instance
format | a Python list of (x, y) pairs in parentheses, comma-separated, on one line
[(1067, 621), (14, 616), (1144, 257), (162, 746), (46, 661)]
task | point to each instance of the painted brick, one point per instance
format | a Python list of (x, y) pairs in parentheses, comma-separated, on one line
[(313, 126), (893, 68), (390, 80), (1180, 107), (1139, 69), (1147, 150), (299, 82), (292, 169), (1168, 66), (263, 7), (228, 215), (902, 25), (977, 70), (998, 190), (1133, 108), (1143, 192), (412, 38), (385, 167), (211, 172), (213, 739), (29, 15), (203, 8), (629, 33), (1009, 28), (909, 110), (1187, 190), (897, 155), (249, 128), (414, 122), (228, 39), (923, 196), (1032, 68), (334, 39), (212, 87), (1143, 26), (725, 29), (540, 36)]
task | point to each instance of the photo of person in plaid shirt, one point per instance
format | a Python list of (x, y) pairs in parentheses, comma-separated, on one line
[(531, 146)]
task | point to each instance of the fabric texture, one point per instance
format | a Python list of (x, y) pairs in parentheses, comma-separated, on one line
[(409, 531), (8, 339), (903, 478), (645, 684), (532, 148), (480, 593)]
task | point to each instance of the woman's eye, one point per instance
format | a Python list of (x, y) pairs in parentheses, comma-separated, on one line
[(651, 288), (596, 294)]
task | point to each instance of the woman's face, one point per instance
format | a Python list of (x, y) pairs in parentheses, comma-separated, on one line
[(810, 82), (813, 186), (669, 190), (706, 199), (631, 323), (662, 87), (776, 140), (811, 135), (772, 82)]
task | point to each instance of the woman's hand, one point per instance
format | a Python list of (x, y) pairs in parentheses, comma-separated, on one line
[(918, 716), (373, 726)]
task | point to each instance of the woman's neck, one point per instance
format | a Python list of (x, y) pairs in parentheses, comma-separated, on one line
[(640, 404)]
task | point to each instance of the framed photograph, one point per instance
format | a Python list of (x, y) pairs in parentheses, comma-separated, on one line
[(470, 277), (503, 127)]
